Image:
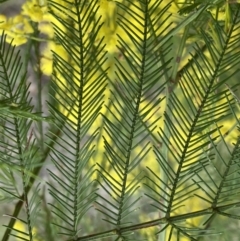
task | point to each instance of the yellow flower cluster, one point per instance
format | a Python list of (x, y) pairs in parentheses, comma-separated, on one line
[(19, 28)]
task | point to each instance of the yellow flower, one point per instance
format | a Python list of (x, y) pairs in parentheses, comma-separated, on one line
[(22, 229), (34, 10), (16, 28), (3, 19), (46, 60)]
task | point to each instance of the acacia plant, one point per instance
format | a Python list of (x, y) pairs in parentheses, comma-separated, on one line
[(119, 120)]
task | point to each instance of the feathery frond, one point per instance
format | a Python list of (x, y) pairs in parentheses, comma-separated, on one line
[(78, 92), (190, 120), (18, 152), (135, 99)]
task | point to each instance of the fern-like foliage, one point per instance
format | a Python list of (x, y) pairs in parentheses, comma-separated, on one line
[(80, 97), (18, 154), (128, 125), (158, 117), (189, 120)]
